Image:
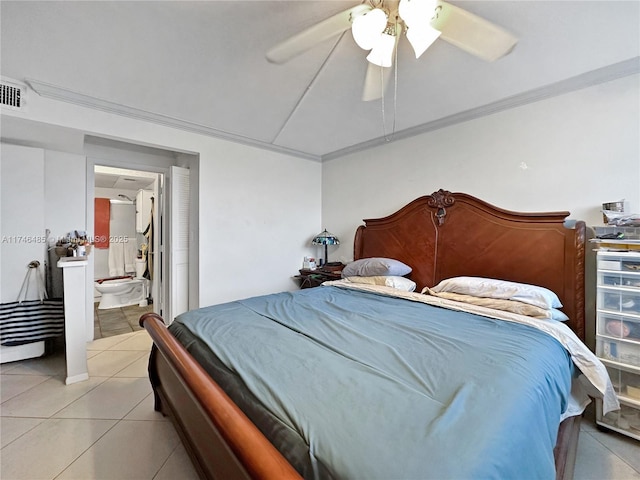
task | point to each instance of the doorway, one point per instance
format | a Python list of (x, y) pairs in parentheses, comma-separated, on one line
[(127, 250), (174, 287)]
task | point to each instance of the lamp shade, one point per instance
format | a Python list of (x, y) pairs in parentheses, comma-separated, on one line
[(382, 52), (325, 238), (417, 12), (421, 37), (417, 16), (366, 29)]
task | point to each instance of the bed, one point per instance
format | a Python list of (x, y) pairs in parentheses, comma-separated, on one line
[(328, 387)]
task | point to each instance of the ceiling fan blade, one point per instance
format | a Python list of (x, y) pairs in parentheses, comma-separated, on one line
[(375, 82), (471, 33), (306, 39)]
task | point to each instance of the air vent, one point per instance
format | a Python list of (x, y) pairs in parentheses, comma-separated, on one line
[(12, 95)]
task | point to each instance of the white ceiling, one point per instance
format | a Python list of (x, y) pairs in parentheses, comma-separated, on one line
[(201, 66), (123, 179)]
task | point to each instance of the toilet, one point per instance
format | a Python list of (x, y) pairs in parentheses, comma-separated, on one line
[(120, 292), (124, 291)]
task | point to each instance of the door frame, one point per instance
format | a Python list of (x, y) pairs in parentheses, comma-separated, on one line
[(161, 271)]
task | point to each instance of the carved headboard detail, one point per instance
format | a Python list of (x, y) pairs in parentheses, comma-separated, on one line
[(446, 234), (440, 200)]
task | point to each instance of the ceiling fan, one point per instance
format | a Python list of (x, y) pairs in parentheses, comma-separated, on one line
[(377, 25)]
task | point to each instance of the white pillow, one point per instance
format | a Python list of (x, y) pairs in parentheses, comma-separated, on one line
[(401, 283), (366, 267), (558, 315), (492, 288), (513, 306)]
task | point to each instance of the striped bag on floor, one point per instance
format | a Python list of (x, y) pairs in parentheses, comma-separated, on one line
[(28, 321)]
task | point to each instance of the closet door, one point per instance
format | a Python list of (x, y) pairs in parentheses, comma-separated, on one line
[(178, 243)]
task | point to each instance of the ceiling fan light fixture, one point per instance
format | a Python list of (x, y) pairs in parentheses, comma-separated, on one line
[(382, 52), (366, 29), (417, 12), (422, 37)]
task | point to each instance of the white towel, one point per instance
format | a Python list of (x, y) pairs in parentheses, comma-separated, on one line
[(116, 259), (130, 255)]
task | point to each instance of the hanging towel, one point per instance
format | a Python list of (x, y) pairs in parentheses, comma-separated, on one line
[(102, 216), (116, 259), (102, 280), (148, 233), (130, 255)]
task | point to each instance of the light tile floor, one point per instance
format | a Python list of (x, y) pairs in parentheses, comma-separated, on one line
[(117, 321), (105, 427), (102, 428)]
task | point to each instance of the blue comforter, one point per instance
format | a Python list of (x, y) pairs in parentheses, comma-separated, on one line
[(385, 388)]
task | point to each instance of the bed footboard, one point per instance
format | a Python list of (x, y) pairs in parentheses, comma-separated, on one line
[(567, 447), (221, 441)]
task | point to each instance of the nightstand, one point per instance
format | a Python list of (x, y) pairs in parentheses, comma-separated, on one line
[(313, 278)]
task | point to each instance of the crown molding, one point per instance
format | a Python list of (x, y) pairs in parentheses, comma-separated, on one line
[(578, 82), (55, 92), (585, 80)]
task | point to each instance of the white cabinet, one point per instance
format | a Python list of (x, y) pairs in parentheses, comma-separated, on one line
[(143, 210), (618, 336)]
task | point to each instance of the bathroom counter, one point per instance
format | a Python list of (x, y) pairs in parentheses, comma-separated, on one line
[(72, 262)]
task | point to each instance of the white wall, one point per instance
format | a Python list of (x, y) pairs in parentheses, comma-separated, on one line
[(22, 226), (42, 190), (257, 209), (64, 207), (572, 152), (65, 191)]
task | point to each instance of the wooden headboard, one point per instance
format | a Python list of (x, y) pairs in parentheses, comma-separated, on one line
[(446, 235)]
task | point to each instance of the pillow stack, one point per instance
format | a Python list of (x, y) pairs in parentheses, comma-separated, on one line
[(530, 300), (379, 271)]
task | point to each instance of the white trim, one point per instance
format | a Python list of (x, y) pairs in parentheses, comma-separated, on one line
[(585, 80), (54, 92)]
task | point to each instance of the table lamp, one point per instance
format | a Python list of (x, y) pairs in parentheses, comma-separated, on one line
[(325, 238)]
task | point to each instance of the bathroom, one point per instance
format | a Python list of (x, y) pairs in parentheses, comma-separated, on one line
[(123, 261)]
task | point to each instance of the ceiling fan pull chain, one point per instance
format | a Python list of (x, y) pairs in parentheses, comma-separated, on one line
[(395, 88), (388, 137), (384, 120)]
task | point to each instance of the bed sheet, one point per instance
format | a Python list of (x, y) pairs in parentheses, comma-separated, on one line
[(381, 387)]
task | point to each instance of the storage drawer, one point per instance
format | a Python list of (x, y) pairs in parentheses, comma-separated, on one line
[(618, 336), (619, 279), (626, 419), (626, 383), (623, 263), (619, 326), (620, 351), (619, 299)]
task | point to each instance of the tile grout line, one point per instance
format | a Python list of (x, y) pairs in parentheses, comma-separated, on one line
[(612, 452)]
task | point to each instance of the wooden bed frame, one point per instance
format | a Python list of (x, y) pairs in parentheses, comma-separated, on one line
[(441, 236)]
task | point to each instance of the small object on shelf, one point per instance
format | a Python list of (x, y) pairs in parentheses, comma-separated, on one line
[(633, 391), (309, 263), (611, 236), (335, 267), (617, 328), (314, 278)]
